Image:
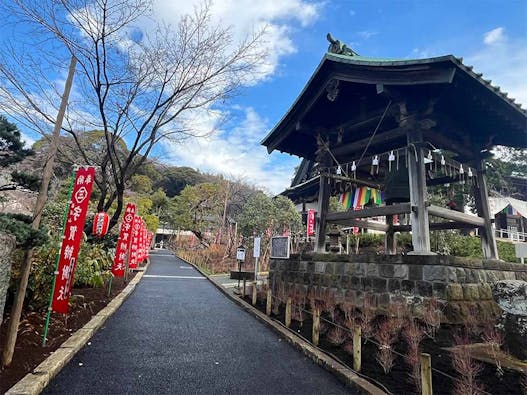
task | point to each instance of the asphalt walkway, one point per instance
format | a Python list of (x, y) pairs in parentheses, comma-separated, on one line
[(178, 334)]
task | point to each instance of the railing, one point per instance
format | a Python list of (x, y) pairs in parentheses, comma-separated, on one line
[(511, 234)]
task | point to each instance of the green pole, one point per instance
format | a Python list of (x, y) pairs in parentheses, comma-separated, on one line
[(55, 273), (110, 286)]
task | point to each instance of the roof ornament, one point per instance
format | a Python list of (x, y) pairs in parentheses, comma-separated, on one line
[(337, 47)]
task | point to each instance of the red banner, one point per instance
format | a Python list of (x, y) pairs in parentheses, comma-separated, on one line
[(310, 222), (124, 240), (134, 246), (150, 236), (72, 237)]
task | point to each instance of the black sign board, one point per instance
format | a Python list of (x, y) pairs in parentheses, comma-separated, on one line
[(280, 247)]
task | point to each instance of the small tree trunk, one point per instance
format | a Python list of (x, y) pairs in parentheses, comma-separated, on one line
[(25, 269), (7, 244)]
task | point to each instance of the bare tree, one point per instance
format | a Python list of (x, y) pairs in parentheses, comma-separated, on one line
[(135, 87), (138, 86)]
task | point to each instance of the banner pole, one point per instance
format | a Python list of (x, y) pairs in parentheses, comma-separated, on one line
[(55, 272), (110, 286)]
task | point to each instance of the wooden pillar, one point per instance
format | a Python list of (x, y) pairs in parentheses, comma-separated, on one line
[(488, 238), (417, 180), (316, 326), (288, 312), (357, 348), (426, 374), (269, 303), (390, 244), (323, 207)]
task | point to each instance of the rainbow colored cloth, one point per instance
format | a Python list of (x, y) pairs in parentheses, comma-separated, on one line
[(360, 196)]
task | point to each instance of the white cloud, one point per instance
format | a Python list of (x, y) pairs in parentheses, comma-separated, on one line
[(236, 152), (366, 34), (504, 62), (495, 36), (279, 18)]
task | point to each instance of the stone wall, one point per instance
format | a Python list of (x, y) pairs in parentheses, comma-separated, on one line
[(7, 243), (462, 285)]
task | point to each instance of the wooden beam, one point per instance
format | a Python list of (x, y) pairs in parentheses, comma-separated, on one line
[(362, 224), (442, 141), (455, 215), (323, 206), (437, 226), (355, 180), (401, 208), (359, 145)]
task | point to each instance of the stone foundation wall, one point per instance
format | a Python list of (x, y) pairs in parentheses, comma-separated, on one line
[(462, 285)]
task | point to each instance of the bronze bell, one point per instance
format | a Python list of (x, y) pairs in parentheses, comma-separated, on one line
[(397, 186)]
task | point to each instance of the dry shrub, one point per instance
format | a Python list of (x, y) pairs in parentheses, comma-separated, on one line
[(298, 302), (523, 382), (329, 303), (399, 311), (261, 290), (337, 335), (495, 338), (316, 298), (432, 317), (348, 309), (386, 335), (468, 369), (367, 315), (348, 347), (413, 335), (279, 298)]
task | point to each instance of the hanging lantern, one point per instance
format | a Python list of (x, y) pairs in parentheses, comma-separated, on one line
[(100, 224)]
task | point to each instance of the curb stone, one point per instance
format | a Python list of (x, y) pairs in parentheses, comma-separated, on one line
[(34, 383), (346, 375)]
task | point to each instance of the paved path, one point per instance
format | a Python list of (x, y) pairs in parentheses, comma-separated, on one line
[(177, 334)]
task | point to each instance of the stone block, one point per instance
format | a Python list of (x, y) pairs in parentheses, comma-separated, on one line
[(485, 291), (439, 290), (302, 266), (330, 268), (327, 281), (320, 267), (356, 283), (424, 288), (383, 300), (407, 286), (367, 283), (292, 266), (470, 292), (509, 276), (434, 273), (400, 271), (355, 269), (386, 271), (372, 270), (341, 268), (379, 284), (454, 292), (394, 285), (461, 275), (451, 274), (310, 267), (415, 272)]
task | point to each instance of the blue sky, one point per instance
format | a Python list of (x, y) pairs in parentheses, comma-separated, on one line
[(490, 35)]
